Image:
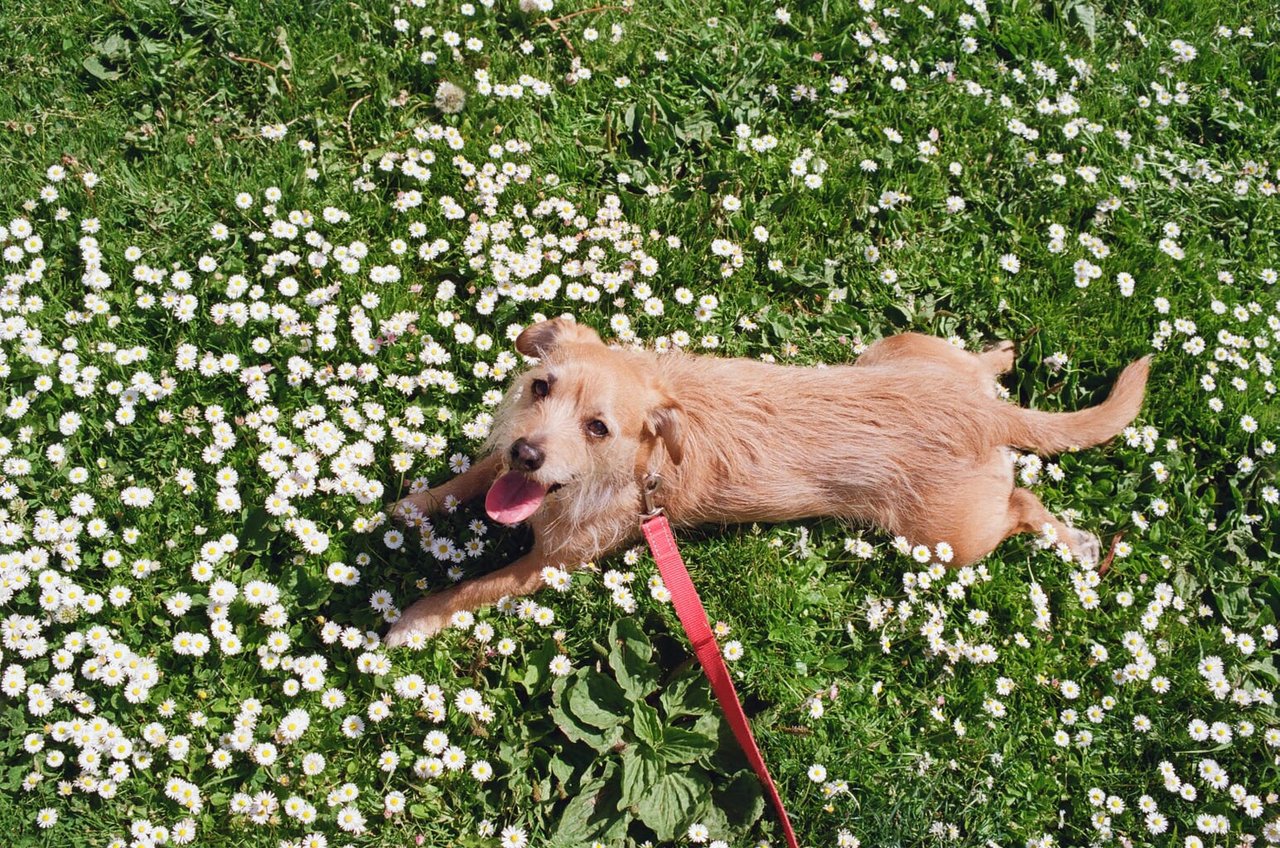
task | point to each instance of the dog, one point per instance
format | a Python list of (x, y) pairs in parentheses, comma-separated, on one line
[(912, 438)]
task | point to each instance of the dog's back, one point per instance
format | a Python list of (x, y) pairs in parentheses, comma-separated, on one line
[(876, 442)]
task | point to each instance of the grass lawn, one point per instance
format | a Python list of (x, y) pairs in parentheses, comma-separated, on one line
[(263, 268)]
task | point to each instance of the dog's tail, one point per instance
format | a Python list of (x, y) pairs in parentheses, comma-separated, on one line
[(1049, 433)]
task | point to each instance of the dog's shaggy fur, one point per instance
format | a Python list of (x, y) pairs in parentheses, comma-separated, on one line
[(913, 439)]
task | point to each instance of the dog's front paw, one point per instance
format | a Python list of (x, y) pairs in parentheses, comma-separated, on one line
[(420, 622), (413, 509), (1085, 547)]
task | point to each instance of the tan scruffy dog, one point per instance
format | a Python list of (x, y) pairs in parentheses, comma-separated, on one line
[(913, 439)]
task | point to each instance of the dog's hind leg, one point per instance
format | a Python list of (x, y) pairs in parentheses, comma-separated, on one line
[(907, 348), (980, 508), (1028, 515)]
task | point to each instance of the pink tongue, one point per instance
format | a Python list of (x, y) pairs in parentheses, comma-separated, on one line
[(513, 498)]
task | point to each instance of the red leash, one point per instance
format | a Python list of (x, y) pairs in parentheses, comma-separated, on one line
[(657, 532)]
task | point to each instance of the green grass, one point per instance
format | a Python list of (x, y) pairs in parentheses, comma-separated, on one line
[(165, 102)]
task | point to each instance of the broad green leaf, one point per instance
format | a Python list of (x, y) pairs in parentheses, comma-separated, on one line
[(256, 533), (686, 695), (1088, 18), (95, 67), (603, 729), (579, 731), (561, 770), (728, 756), (1265, 667), (741, 800), (685, 746), (596, 699), (646, 724), (629, 657), (113, 46), (641, 769), (676, 801), (592, 815), (537, 672)]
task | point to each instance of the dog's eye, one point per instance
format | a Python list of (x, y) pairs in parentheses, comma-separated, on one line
[(540, 389), (597, 428)]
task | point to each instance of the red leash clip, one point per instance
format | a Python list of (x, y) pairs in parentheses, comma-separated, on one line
[(693, 617)]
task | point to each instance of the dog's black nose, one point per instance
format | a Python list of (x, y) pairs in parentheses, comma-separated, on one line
[(526, 456)]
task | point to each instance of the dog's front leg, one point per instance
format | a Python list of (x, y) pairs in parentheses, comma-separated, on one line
[(468, 485), (431, 614)]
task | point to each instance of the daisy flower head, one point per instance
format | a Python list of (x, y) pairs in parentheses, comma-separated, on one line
[(514, 837)]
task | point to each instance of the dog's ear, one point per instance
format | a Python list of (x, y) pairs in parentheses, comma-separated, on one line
[(542, 338), (666, 422)]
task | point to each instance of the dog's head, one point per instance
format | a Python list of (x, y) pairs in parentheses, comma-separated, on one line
[(584, 421)]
